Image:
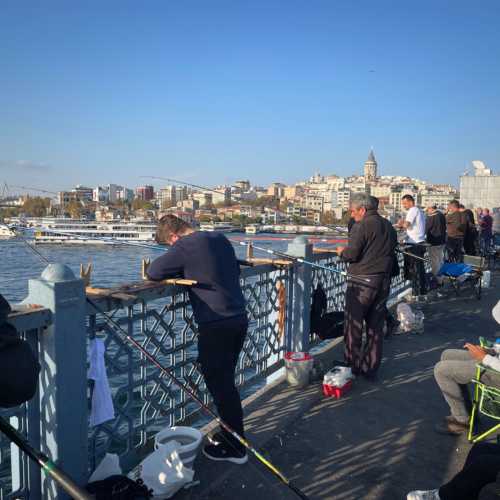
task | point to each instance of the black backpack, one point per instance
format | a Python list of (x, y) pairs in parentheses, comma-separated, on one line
[(119, 488), (325, 325)]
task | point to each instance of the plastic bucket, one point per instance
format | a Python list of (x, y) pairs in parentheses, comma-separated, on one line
[(189, 439), (298, 368)]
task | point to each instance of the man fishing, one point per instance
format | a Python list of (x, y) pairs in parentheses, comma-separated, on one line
[(370, 254), (414, 223), (219, 309)]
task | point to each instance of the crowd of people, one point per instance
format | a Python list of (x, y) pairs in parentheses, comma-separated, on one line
[(370, 254)]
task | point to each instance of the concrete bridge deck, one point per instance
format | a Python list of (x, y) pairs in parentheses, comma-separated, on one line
[(378, 442)]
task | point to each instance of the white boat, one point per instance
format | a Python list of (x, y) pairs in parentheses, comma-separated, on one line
[(253, 229), (6, 233), (65, 231), (219, 226)]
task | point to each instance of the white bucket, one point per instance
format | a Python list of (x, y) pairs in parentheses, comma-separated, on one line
[(298, 368), (189, 439)]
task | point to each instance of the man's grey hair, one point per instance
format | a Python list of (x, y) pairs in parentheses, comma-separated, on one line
[(360, 200)]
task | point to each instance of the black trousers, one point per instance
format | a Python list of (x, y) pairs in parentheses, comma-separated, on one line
[(454, 247), (414, 269), (481, 468), (471, 242), (219, 347), (365, 303)]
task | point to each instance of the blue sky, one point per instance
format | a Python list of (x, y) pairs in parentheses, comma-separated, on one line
[(212, 91)]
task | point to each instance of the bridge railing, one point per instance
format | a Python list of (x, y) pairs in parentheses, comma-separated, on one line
[(278, 302)]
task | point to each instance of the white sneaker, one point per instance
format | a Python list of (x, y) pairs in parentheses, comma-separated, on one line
[(423, 495)]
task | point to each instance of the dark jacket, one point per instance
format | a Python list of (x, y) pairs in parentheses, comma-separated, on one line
[(371, 246), (20, 368), (456, 224), (435, 229), (209, 259)]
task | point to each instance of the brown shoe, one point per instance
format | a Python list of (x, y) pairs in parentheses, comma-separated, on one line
[(452, 427)]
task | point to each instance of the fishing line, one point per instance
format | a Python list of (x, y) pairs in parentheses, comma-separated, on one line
[(302, 261)]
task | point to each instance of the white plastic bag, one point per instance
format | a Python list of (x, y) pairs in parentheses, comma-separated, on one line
[(109, 466), (409, 321), (338, 376), (163, 471), (406, 317)]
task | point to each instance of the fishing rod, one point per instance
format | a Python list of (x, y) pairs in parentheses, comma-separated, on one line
[(399, 250), (166, 371), (49, 467), (191, 393), (301, 260)]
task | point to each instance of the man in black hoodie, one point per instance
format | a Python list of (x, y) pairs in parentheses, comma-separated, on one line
[(370, 254), (219, 309)]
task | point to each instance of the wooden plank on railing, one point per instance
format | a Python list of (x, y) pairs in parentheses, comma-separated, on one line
[(29, 317)]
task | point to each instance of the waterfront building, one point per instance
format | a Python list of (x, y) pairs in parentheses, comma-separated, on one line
[(481, 189)]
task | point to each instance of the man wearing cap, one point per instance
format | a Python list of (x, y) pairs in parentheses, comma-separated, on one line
[(456, 227)]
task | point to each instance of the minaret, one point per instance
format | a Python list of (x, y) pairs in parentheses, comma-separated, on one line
[(370, 167)]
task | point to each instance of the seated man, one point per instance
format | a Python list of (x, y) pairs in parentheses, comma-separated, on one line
[(480, 470), (455, 370)]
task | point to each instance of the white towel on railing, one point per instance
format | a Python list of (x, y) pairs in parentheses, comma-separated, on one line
[(102, 403)]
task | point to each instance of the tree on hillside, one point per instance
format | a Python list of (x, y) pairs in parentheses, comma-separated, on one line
[(74, 209), (36, 206), (328, 218)]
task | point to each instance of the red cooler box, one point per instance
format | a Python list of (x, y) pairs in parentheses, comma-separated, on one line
[(336, 392)]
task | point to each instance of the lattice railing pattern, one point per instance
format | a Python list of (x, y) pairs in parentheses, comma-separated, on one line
[(144, 401), (334, 283)]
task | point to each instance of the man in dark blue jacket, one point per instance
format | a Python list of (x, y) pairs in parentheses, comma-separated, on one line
[(219, 309)]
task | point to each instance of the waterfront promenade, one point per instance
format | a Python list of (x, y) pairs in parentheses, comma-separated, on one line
[(378, 442)]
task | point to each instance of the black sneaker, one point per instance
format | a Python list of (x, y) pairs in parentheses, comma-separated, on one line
[(222, 453)]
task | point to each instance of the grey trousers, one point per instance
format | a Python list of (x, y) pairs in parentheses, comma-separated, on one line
[(436, 254), (456, 368)]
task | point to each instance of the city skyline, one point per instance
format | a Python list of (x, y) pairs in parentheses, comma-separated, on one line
[(96, 94)]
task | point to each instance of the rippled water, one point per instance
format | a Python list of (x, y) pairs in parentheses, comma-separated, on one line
[(112, 265)]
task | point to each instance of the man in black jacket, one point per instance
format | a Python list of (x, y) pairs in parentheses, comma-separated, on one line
[(370, 254), (219, 309), (435, 234)]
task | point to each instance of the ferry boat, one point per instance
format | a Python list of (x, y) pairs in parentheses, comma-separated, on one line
[(219, 226), (65, 231), (6, 233)]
